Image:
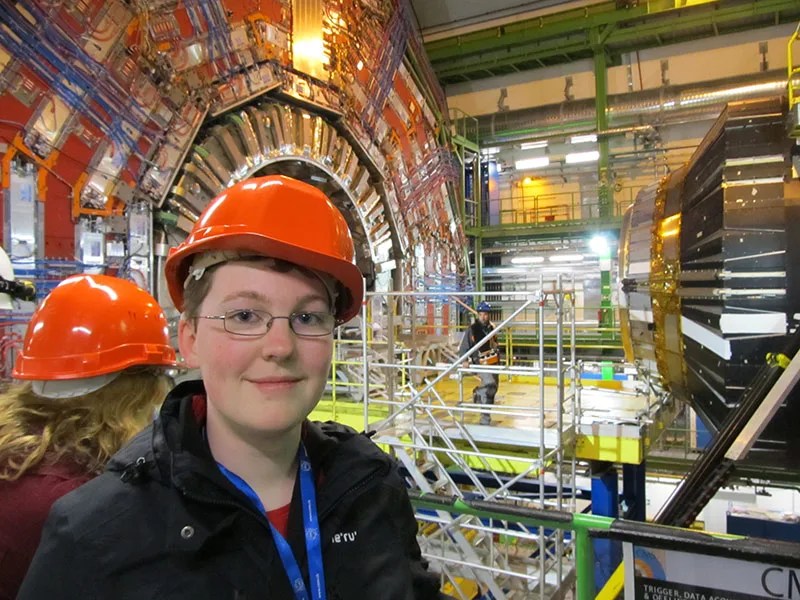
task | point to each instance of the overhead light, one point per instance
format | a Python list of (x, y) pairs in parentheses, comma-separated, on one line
[(559, 258), (581, 157), (527, 260), (599, 245), (532, 163), (533, 145), (582, 139), (489, 151)]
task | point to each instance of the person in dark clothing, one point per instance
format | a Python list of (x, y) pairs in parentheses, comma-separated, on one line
[(92, 363), (486, 355), (233, 493)]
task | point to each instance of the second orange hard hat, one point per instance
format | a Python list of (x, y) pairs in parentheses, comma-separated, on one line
[(90, 326)]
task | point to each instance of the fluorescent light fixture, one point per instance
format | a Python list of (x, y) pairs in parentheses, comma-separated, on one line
[(532, 163), (563, 258), (527, 260), (489, 151), (581, 157), (599, 245), (533, 145), (582, 139)]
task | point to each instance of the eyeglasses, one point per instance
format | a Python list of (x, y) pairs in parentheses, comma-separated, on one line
[(255, 323)]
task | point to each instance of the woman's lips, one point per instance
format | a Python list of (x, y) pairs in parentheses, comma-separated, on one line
[(274, 383)]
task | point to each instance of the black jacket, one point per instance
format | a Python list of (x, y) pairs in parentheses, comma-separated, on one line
[(163, 522), (474, 333)]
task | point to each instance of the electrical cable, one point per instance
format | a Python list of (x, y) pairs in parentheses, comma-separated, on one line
[(112, 88), (22, 29)]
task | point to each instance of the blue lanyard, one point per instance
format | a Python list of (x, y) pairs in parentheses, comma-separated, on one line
[(310, 525)]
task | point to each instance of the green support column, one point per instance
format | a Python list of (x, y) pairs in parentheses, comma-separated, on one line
[(478, 262), (604, 191), (606, 316), (605, 197)]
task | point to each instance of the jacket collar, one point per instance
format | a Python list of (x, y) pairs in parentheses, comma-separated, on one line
[(174, 449)]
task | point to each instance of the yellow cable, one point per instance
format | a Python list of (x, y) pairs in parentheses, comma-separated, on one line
[(614, 585)]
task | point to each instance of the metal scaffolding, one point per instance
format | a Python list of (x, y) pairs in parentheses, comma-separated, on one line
[(409, 371)]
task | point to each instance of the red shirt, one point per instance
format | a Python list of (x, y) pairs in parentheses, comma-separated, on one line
[(280, 518)]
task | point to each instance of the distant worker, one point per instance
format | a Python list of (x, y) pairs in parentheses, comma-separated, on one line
[(486, 355), (93, 360)]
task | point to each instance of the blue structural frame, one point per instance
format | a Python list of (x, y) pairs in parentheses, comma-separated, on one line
[(605, 502), (704, 436), (634, 499)]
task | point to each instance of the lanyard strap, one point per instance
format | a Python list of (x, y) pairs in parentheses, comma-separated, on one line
[(310, 526)]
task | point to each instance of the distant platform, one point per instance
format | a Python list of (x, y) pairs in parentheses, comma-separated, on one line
[(617, 425)]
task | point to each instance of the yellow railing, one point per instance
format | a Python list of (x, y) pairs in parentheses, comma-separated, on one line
[(562, 206), (792, 84)]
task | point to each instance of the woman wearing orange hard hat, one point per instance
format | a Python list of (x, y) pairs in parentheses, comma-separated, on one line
[(253, 500), (93, 364)]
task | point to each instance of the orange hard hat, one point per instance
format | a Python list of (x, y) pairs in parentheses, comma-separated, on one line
[(92, 325), (276, 217)]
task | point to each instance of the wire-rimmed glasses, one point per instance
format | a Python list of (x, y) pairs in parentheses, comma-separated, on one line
[(256, 323)]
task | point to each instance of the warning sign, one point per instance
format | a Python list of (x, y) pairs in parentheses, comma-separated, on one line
[(654, 589), (656, 574)]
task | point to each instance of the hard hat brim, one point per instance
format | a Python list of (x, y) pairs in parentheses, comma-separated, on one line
[(346, 273)]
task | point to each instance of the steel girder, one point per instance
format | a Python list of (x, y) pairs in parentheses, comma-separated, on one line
[(580, 33)]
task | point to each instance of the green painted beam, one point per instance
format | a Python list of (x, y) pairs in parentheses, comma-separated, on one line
[(502, 58), (545, 229), (469, 145), (528, 31), (692, 21), (566, 34)]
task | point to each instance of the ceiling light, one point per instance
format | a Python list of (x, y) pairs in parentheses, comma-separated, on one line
[(559, 258), (599, 245), (490, 151), (581, 157), (533, 145), (527, 260), (532, 163), (582, 139)]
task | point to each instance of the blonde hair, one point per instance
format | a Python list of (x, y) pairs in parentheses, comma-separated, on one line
[(86, 430)]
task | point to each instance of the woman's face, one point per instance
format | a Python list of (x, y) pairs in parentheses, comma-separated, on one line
[(258, 386)]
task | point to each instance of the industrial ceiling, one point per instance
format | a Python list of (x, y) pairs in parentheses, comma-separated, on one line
[(563, 32)]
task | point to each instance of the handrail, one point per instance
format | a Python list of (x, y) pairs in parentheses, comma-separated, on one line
[(587, 526), (530, 209), (464, 125)]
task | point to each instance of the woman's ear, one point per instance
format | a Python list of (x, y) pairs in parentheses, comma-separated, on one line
[(187, 342)]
